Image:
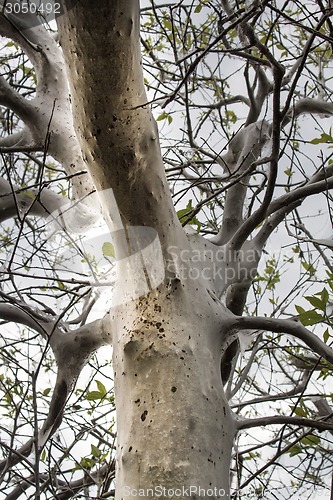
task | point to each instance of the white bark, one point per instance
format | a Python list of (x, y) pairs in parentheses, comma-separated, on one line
[(174, 426), (48, 118), (14, 201), (71, 350)]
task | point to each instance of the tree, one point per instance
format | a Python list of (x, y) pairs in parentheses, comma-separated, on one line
[(205, 337)]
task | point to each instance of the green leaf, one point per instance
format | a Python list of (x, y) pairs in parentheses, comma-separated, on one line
[(316, 302), (308, 267), (95, 451), (97, 395), (101, 387), (310, 318), (324, 296), (326, 335), (300, 309), (310, 440), (61, 286), (94, 396), (164, 116), (295, 450), (46, 391), (108, 249), (324, 138), (198, 9), (87, 463), (168, 24), (185, 213), (300, 412)]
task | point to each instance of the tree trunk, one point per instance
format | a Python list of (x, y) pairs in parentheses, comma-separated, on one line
[(175, 429), (174, 425)]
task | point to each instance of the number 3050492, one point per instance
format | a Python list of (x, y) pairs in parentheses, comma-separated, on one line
[(30, 7)]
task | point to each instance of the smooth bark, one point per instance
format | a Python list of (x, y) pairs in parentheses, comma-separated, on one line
[(175, 429)]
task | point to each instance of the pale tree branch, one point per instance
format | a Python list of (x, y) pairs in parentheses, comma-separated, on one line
[(39, 202), (61, 213), (23, 486), (302, 62), (299, 388), (224, 102), (318, 244), (264, 89), (19, 142), (250, 224), (24, 315), (106, 471), (308, 106), (323, 408), (48, 117), (325, 243), (244, 149), (13, 100), (320, 425), (299, 194), (286, 326), (272, 223), (242, 377), (71, 350)]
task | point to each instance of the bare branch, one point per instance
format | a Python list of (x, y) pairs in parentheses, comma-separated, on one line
[(13, 100), (297, 195), (320, 425), (40, 202), (287, 326), (308, 106), (71, 350)]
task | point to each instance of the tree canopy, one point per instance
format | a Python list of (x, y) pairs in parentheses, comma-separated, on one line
[(235, 180)]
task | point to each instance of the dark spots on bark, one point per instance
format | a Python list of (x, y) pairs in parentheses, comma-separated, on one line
[(130, 449), (144, 415), (137, 401), (173, 389), (191, 425)]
